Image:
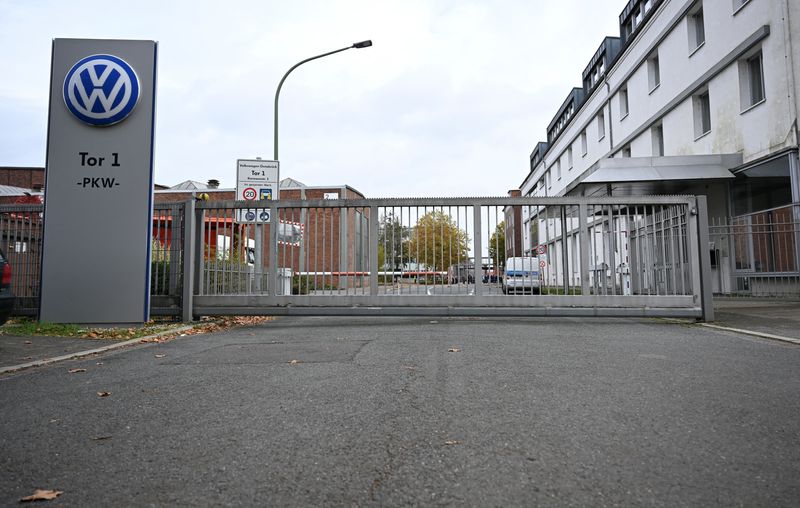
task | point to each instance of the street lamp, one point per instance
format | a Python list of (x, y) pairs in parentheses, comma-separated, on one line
[(357, 45)]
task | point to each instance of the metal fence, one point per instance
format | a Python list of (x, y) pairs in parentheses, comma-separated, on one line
[(757, 254), (588, 256), (604, 256)]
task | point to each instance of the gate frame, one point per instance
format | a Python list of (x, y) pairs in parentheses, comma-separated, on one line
[(698, 305)]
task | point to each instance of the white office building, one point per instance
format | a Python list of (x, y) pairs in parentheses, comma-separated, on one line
[(692, 97)]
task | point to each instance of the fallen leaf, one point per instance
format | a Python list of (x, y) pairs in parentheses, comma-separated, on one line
[(42, 495), (28, 358), (28, 342), (100, 438), (294, 362), (99, 363), (103, 394), (409, 367), (54, 420), (454, 350), (75, 371), (452, 442), (160, 356)]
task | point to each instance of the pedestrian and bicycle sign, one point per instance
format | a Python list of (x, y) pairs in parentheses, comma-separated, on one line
[(257, 182)]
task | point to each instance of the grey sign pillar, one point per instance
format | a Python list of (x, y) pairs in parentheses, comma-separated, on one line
[(99, 182)]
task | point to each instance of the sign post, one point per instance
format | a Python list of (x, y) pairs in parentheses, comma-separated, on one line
[(257, 180), (99, 182)]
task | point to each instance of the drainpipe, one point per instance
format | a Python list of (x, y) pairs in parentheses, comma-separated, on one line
[(789, 51), (610, 118), (794, 162)]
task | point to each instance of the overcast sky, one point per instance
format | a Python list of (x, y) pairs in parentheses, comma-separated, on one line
[(449, 101)]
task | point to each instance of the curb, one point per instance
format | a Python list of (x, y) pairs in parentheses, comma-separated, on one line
[(81, 354), (755, 334)]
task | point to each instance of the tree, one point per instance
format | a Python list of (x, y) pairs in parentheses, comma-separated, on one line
[(437, 243), (497, 244), (392, 242)]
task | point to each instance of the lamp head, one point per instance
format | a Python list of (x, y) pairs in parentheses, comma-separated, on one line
[(362, 44)]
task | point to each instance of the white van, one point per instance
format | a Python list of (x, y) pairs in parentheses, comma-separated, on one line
[(521, 275)]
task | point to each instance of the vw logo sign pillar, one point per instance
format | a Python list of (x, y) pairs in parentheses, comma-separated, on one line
[(99, 182)]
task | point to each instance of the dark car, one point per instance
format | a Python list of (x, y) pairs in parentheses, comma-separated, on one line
[(6, 297)]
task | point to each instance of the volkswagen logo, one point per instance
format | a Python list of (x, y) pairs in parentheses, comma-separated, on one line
[(101, 90)]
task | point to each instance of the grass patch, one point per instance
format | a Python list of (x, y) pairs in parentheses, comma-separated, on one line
[(27, 327)]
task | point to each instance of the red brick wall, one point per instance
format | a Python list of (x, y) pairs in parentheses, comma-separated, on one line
[(27, 178)]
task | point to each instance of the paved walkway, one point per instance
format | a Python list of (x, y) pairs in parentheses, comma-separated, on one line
[(771, 317), (775, 317)]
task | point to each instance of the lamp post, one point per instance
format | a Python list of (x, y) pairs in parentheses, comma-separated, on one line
[(259, 232), (357, 45)]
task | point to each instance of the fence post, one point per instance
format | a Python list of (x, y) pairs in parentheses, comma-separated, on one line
[(373, 250), (272, 253), (706, 293), (187, 300), (583, 233)]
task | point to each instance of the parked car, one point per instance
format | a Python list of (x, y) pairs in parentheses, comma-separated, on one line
[(521, 276), (6, 297)]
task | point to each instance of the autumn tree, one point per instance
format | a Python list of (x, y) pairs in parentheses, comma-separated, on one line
[(437, 242), (392, 242), (497, 244)]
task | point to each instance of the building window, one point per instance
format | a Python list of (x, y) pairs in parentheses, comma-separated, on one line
[(623, 103), (558, 169), (751, 80), (601, 125), (653, 72), (657, 134), (569, 157), (626, 152), (697, 31), (702, 114), (547, 178), (584, 144)]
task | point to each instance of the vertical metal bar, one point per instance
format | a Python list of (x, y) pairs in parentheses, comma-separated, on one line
[(272, 253), (564, 250), (680, 218), (476, 217), (612, 240), (583, 239), (190, 242)]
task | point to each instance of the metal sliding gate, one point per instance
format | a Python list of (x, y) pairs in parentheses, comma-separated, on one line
[(445, 256), (634, 256)]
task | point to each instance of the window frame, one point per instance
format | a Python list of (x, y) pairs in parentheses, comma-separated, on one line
[(601, 125), (653, 72), (623, 101), (657, 139), (584, 143), (696, 29), (747, 100), (701, 110)]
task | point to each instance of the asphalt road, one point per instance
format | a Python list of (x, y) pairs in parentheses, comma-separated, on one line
[(377, 411)]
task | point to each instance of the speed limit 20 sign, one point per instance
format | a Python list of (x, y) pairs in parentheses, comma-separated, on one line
[(249, 194)]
